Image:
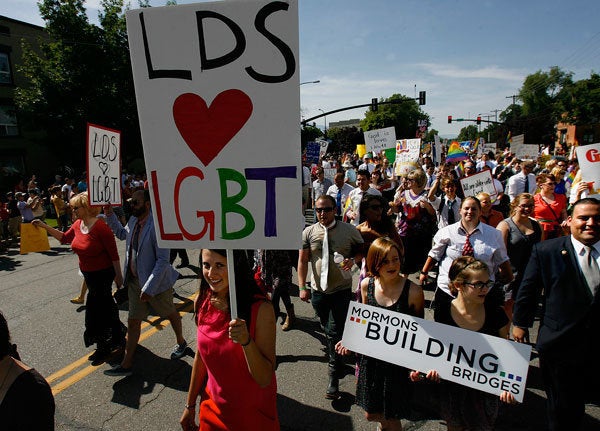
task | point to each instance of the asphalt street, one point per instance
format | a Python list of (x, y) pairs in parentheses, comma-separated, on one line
[(34, 296)]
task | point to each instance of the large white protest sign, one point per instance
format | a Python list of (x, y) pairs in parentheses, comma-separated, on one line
[(486, 147), (480, 361), (478, 183), (523, 151), (218, 99), (380, 139), (589, 163), (103, 165), (407, 155)]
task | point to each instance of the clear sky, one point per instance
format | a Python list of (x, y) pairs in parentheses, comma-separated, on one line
[(470, 56)]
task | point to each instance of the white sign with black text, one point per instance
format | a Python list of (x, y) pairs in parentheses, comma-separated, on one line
[(380, 139), (489, 364), (478, 183), (218, 98), (103, 165)]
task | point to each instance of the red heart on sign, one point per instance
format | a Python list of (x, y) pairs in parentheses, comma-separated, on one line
[(206, 130)]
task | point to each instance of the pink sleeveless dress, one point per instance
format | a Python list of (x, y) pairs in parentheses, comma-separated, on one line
[(232, 400)]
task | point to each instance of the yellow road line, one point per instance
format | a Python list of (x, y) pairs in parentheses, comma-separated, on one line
[(154, 327)]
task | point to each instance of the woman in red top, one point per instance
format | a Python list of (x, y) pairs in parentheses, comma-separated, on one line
[(550, 208), (234, 366), (94, 243)]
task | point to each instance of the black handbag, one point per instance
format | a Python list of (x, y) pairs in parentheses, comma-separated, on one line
[(121, 295)]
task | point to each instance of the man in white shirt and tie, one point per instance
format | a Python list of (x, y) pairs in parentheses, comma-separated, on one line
[(339, 191), (522, 182), (331, 288), (362, 187)]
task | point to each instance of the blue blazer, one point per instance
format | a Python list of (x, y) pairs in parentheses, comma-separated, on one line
[(569, 310), (155, 273)]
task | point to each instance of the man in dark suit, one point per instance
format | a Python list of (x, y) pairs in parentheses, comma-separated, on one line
[(566, 269)]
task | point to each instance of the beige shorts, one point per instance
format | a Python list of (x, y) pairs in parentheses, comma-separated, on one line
[(161, 303)]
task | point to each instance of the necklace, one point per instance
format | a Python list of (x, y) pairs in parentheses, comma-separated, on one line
[(219, 303), (7, 373)]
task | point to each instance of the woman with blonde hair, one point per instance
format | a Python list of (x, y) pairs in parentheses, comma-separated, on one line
[(561, 186), (94, 243), (520, 232)]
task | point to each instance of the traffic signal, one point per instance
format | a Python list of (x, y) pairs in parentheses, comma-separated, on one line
[(478, 120), (449, 119), (374, 104), (421, 97)]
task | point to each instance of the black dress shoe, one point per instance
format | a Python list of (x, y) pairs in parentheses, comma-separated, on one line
[(99, 356), (333, 389)]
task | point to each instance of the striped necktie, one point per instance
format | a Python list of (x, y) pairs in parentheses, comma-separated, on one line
[(468, 247)]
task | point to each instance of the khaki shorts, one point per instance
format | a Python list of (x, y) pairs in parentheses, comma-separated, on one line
[(138, 310)]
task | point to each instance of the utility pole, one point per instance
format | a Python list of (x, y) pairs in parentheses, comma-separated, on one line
[(495, 111), (514, 97)]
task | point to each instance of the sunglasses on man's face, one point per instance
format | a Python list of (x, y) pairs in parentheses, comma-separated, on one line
[(324, 209)]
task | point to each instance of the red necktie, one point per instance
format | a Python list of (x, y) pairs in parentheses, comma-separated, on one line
[(468, 247)]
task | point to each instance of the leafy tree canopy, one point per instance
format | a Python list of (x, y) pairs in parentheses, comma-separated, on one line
[(83, 74), (344, 139), (403, 116), (468, 133)]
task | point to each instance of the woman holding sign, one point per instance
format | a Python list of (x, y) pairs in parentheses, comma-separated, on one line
[(234, 366), (383, 388), (94, 243), (464, 408)]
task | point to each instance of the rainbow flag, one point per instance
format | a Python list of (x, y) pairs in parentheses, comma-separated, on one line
[(476, 145), (456, 153), (571, 177)]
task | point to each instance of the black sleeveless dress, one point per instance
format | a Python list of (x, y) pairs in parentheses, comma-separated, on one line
[(467, 407), (383, 387)]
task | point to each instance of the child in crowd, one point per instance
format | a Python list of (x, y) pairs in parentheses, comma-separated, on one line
[(383, 389), (464, 408)]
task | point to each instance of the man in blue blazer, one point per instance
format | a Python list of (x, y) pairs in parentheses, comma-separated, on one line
[(566, 269), (149, 278)]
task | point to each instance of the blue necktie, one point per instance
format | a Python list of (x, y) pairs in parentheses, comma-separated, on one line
[(338, 201)]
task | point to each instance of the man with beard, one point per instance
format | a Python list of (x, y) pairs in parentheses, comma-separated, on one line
[(149, 278)]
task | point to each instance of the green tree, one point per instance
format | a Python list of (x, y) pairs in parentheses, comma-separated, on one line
[(468, 133), (430, 135), (344, 139), (542, 98), (309, 133), (83, 74), (581, 101), (403, 116)]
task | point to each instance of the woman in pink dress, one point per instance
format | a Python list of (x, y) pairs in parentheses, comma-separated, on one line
[(234, 366)]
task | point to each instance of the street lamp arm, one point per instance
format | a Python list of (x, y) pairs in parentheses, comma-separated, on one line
[(391, 102)]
